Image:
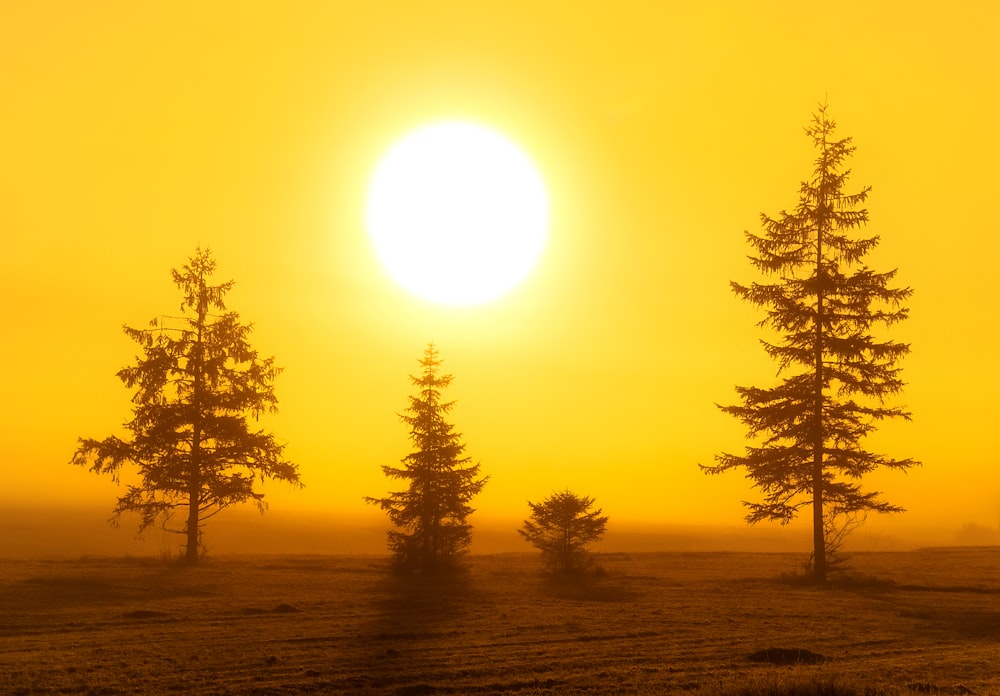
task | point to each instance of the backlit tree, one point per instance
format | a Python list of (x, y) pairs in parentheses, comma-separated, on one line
[(561, 526), (197, 384), (431, 513), (824, 305)]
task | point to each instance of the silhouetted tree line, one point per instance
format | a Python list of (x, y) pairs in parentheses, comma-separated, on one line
[(198, 383)]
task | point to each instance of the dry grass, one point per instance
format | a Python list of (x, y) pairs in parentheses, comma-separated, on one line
[(907, 623)]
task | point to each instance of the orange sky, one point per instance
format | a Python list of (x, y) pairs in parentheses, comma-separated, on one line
[(131, 132)]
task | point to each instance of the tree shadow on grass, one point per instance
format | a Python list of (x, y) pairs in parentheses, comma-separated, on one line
[(978, 623), (587, 587), (842, 579), (413, 614), (45, 592), (983, 624), (107, 581), (415, 603)]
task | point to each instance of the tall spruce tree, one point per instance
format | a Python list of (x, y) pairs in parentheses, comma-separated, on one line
[(196, 384), (824, 305), (431, 513)]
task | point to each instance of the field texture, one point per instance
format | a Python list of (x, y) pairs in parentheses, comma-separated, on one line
[(921, 622)]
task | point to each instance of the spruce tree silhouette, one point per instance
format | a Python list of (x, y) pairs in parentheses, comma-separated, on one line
[(431, 513), (561, 526), (824, 303), (196, 386)]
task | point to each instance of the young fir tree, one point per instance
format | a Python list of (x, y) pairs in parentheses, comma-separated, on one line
[(196, 384), (431, 513), (561, 526), (824, 304)]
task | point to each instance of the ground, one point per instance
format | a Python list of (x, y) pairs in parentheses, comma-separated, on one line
[(921, 621)]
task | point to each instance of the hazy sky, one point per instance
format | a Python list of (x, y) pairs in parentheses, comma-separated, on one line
[(132, 132)]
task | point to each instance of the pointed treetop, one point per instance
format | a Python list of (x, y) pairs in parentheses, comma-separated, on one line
[(192, 281)]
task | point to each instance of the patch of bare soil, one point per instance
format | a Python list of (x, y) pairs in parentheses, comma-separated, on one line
[(652, 624)]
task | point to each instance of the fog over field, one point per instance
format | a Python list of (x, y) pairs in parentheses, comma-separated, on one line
[(72, 532)]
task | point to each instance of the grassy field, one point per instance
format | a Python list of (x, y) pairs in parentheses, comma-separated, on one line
[(915, 622)]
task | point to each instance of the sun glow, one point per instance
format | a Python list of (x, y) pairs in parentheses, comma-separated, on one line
[(458, 213)]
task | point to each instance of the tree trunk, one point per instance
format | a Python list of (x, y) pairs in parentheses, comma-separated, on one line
[(194, 475), (819, 540), (194, 496), (191, 550), (194, 493)]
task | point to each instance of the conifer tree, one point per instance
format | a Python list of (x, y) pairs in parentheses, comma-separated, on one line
[(561, 526), (824, 305), (431, 513), (196, 385)]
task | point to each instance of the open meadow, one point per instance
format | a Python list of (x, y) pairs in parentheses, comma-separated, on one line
[(923, 621)]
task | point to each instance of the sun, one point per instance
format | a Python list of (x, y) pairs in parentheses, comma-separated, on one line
[(458, 213)]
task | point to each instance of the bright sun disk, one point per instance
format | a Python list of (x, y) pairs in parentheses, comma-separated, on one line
[(458, 213)]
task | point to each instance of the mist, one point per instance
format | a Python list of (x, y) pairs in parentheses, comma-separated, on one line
[(71, 532)]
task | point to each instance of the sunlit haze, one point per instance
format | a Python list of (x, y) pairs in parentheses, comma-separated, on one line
[(133, 132)]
